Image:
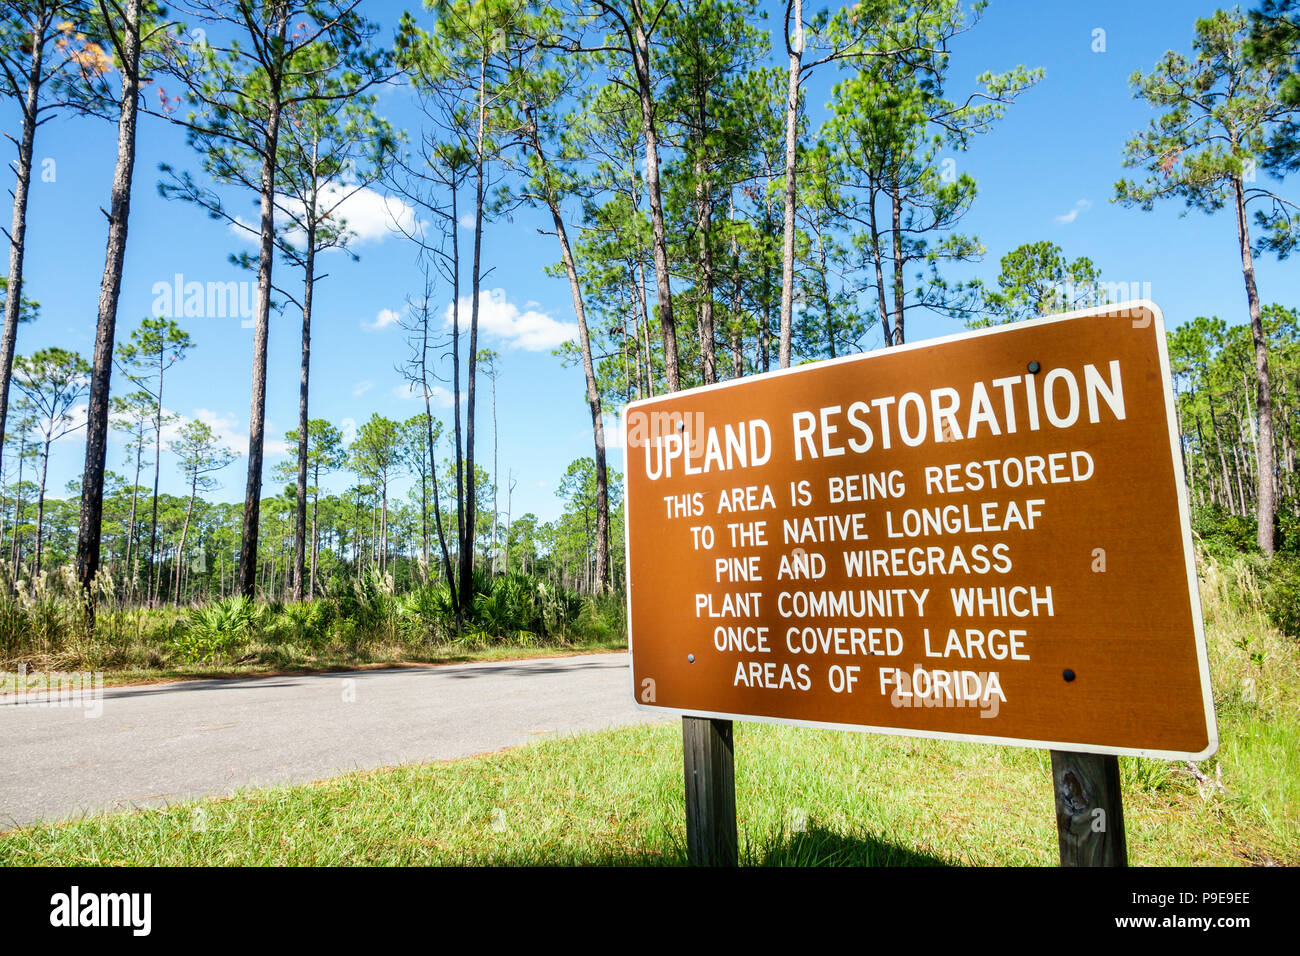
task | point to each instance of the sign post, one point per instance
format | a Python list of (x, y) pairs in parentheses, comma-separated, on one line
[(709, 759), (982, 538), (1089, 811)]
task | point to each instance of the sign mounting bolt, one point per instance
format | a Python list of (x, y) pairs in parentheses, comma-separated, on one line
[(1033, 368), (1068, 675)]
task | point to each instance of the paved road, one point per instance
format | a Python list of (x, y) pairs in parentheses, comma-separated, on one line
[(161, 743)]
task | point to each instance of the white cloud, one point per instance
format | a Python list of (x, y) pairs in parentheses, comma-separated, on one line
[(466, 221), (349, 429), (1073, 214), (438, 396), (383, 319), (373, 216), (529, 329), (361, 387), (228, 428), (241, 228), (225, 425), (76, 431), (171, 430), (370, 216)]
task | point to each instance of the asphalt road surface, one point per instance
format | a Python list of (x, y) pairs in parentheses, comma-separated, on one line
[(161, 743)]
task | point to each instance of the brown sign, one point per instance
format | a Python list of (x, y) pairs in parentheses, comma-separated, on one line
[(982, 537)]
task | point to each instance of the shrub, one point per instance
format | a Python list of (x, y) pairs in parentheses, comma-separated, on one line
[(303, 623), (426, 614), (508, 606), (1288, 525), (603, 618), (367, 604), (217, 630), (1222, 534), (1280, 593), (560, 608)]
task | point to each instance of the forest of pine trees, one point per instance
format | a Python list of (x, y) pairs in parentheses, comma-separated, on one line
[(704, 224)]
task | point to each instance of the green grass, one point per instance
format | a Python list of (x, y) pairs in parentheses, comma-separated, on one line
[(803, 796)]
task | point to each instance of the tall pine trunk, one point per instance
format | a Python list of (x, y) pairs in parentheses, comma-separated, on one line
[(1265, 501), (588, 369), (130, 525), (185, 532), (15, 545), (495, 472), (304, 375), (896, 228), (704, 227), (92, 483), (18, 228), (40, 508), (795, 46), (152, 586), (737, 330), (461, 587), (469, 504), (640, 44), (644, 323), (825, 290), (877, 257), (433, 463), (315, 538), (257, 413)]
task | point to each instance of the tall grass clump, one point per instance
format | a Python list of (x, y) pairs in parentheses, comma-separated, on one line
[(1255, 670), (365, 608), (45, 624), (1254, 664)]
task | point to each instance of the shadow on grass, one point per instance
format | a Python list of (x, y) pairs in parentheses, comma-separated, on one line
[(818, 846)]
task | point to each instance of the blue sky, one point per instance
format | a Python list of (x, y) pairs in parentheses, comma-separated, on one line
[(1046, 172)]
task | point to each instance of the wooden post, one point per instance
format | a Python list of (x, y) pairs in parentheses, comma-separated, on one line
[(1089, 810), (709, 760)]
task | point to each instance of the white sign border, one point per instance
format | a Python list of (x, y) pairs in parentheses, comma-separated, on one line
[(1184, 515)]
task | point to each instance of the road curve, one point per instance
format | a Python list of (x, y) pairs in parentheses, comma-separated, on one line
[(161, 743)]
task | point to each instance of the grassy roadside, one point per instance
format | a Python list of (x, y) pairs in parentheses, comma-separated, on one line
[(44, 627), (804, 796)]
